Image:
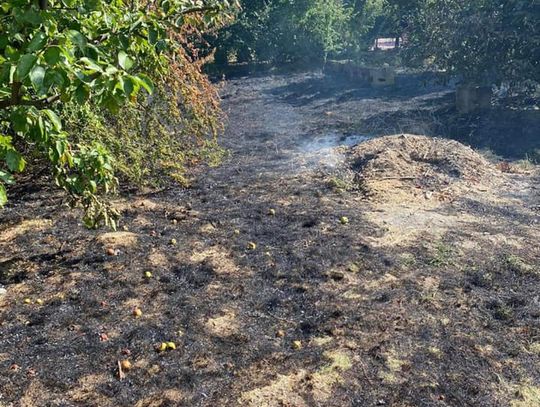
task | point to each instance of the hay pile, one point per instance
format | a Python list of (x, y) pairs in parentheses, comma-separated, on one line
[(420, 166)]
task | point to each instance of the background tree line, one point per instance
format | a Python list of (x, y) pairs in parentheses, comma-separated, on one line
[(480, 40)]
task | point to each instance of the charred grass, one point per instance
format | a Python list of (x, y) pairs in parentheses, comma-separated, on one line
[(318, 313)]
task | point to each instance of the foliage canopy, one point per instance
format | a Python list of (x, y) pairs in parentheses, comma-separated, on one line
[(60, 52)]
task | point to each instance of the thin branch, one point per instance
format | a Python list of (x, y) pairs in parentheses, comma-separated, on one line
[(37, 103), (15, 92), (199, 9), (64, 8), (4, 104)]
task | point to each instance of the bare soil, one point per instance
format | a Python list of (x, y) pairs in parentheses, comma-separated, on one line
[(304, 271)]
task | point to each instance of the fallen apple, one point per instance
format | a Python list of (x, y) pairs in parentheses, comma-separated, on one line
[(344, 220), (171, 345), (162, 347), (111, 252), (39, 301), (126, 364), (137, 312), (297, 345), (252, 246), (173, 242), (148, 274), (271, 212)]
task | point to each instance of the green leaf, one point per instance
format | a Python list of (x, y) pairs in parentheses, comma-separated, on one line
[(11, 53), (40, 130), (92, 51), (25, 65), (12, 70), (81, 94), (5, 73), (15, 162), (56, 77), (52, 55), (161, 45), (91, 4), (55, 120), (60, 147), (124, 41), (6, 178), (78, 39), (30, 16), (5, 142), (129, 87), (120, 84), (93, 186), (111, 70), (145, 82), (3, 195), (4, 41), (37, 43), (19, 121), (152, 36), (36, 77), (91, 65), (125, 61)]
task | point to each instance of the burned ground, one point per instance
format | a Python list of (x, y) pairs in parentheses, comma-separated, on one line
[(416, 302)]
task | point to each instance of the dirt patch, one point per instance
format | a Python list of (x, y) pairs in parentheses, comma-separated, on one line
[(299, 388), (118, 239), (223, 325)]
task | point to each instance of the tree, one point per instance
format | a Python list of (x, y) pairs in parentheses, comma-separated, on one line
[(482, 41), (327, 22), (370, 20), (82, 51), (285, 31)]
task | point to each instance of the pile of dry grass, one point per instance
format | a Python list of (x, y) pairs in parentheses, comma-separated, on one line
[(419, 165)]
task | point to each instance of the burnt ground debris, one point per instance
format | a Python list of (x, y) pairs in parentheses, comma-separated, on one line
[(422, 299)]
